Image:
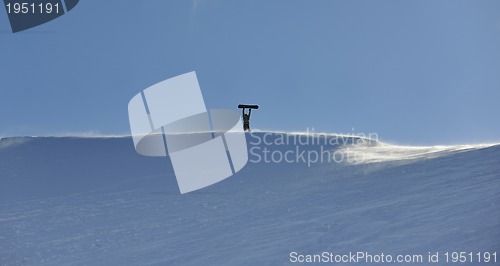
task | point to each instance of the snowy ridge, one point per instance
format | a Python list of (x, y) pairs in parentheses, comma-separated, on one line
[(392, 153), (95, 201), (366, 150)]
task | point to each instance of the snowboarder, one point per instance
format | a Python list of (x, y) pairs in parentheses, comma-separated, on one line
[(246, 117)]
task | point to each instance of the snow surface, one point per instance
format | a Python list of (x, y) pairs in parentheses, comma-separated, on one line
[(95, 201)]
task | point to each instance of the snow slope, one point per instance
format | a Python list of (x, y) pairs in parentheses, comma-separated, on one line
[(95, 201)]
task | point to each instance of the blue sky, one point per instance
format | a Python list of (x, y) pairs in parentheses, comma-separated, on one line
[(415, 72)]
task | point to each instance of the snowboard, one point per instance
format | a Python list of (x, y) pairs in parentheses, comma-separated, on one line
[(249, 106)]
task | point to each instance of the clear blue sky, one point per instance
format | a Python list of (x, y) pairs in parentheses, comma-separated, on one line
[(415, 72)]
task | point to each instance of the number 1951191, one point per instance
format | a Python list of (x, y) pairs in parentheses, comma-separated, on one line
[(485, 257), (27, 8)]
